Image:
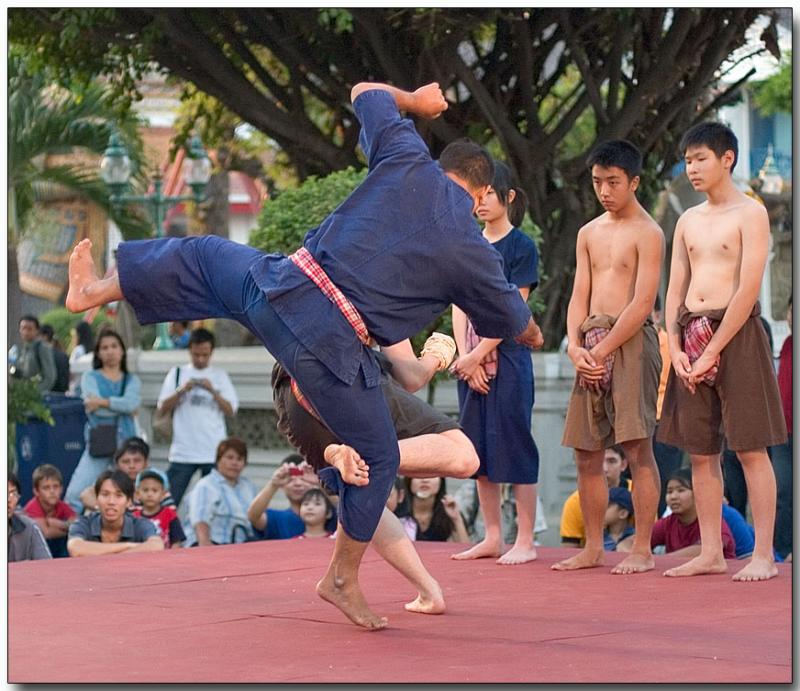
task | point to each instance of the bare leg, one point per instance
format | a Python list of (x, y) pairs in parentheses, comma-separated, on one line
[(449, 454), (492, 543), (352, 467), (339, 585), (593, 494), (646, 491), (86, 288), (707, 488), (523, 549), (392, 543), (762, 492)]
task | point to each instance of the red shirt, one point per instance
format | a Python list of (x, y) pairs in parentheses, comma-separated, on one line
[(167, 524), (675, 535), (63, 511), (785, 381)]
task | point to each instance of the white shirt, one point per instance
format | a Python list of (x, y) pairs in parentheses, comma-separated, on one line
[(198, 423)]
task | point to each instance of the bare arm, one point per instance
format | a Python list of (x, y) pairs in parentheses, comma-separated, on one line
[(690, 551), (52, 527), (151, 544), (679, 278), (578, 310), (88, 498), (168, 404), (650, 257), (78, 547), (427, 101), (460, 329), (412, 372), (203, 533), (257, 511)]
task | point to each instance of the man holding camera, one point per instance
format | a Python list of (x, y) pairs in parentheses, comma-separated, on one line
[(281, 524)]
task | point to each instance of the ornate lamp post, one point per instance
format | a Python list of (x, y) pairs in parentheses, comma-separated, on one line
[(115, 169)]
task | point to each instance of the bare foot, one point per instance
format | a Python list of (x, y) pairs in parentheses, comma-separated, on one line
[(635, 563), (352, 467), (481, 550), (697, 567), (582, 560), (82, 275), (518, 555), (428, 603), (350, 600), (758, 569)]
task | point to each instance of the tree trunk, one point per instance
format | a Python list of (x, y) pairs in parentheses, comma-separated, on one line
[(14, 296)]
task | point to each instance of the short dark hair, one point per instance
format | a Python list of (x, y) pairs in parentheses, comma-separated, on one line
[(618, 153), (47, 331), (503, 184), (471, 162), (317, 492), (201, 336), (132, 445), (46, 472), (231, 443), (120, 479), (617, 449), (683, 476), (29, 318), (14, 480), (294, 458), (716, 136), (97, 363)]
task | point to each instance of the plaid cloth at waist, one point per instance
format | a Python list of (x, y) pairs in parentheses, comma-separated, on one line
[(302, 400), (490, 360), (590, 339), (305, 261), (696, 335)]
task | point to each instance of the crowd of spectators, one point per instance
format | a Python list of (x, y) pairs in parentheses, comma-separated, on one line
[(116, 501)]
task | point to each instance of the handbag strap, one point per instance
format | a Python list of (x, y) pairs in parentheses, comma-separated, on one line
[(124, 384), (177, 377)]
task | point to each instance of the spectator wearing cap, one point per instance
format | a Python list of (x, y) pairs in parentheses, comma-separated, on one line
[(25, 540), (131, 458), (111, 529), (617, 524), (218, 503), (152, 486)]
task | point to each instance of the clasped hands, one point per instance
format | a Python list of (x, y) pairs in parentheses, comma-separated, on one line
[(590, 373), (690, 373)]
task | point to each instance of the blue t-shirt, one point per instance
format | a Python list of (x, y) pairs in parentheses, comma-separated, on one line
[(520, 266), (402, 248), (283, 524), (610, 544), (743, 534)]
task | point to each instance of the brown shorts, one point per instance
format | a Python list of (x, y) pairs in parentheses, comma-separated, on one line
[(743, 405), (412, 417), (627, 411)]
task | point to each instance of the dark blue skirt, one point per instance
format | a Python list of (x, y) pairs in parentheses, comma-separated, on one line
[(499, 423)]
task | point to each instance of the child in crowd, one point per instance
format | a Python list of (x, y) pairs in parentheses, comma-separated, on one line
[(680, 531), (49, 512), (396, 503), (617, 523), (315, 510), (435, 513), (151, 488)]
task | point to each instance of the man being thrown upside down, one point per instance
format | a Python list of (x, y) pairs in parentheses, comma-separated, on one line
[(396, 253)]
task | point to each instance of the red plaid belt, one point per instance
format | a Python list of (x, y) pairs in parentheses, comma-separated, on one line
[(696, 336), (302, 400), (305, 261)]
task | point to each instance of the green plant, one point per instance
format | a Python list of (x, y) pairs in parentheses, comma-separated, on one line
[(62, 321), (25, 401)]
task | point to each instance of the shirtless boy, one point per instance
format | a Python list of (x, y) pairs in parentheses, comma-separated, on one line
[(614, 346), (722, 382)]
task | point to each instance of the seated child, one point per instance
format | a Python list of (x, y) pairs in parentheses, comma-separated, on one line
[(49, 512), (680, 531), (151, 487), (315, 510), (617, 524)]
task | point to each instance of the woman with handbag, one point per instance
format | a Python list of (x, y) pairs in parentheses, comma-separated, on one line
[(111, 396)]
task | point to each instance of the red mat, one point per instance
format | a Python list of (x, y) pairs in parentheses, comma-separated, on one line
[(248, 613)]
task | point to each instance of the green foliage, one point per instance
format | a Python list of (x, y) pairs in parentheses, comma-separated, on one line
[(774, 94), (62, 321), (287, 218), (25, 401)]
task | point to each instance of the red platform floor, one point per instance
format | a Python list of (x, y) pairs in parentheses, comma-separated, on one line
[(248, 613)]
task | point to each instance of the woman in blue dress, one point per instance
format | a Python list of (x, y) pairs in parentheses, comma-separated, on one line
[(111, 395), (495, 391)]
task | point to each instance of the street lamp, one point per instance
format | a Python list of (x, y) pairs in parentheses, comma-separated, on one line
[(115, 170)]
